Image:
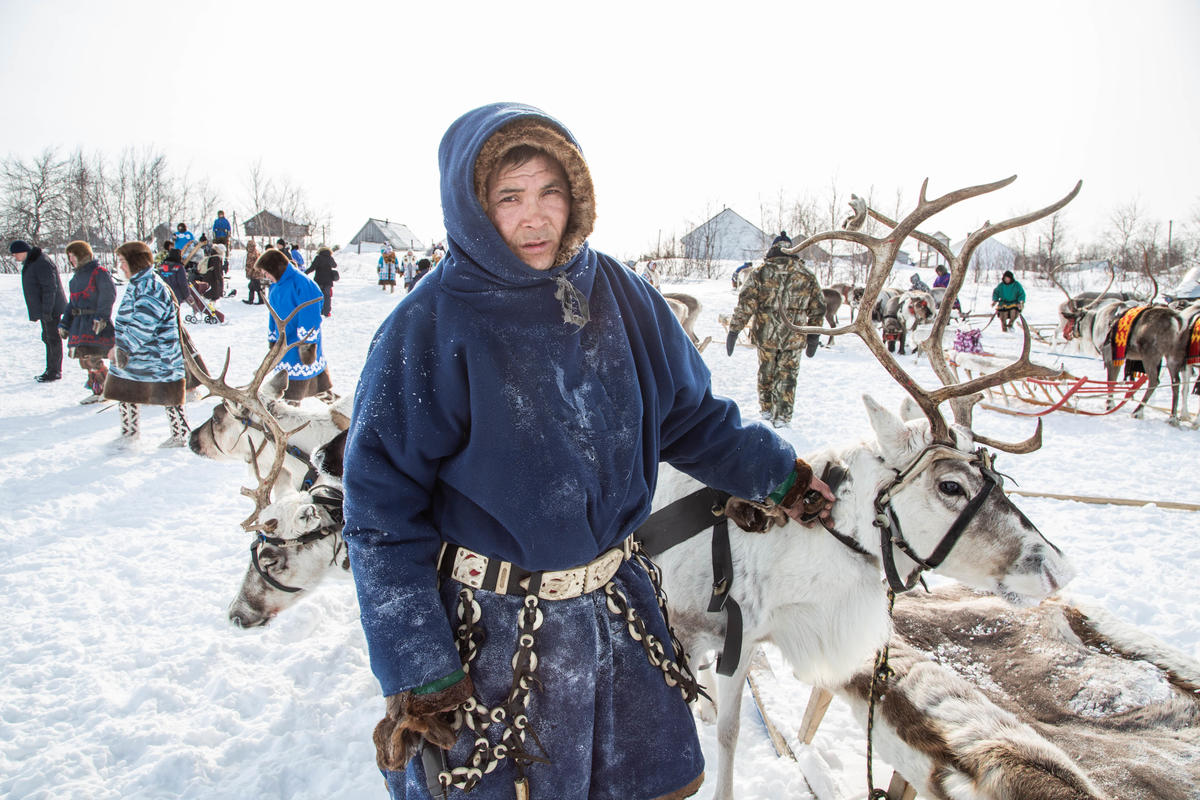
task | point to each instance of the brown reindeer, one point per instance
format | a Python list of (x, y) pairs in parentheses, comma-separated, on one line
[(686, 309)]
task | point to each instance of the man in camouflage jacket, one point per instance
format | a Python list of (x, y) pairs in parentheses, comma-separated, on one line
[(781, 287)]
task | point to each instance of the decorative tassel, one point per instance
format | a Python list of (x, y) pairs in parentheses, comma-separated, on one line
[(574, 303)]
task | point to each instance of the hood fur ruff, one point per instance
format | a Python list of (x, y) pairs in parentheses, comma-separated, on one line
[(543, 135)]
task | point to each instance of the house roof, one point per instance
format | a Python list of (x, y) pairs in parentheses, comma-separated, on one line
[(268, 223), (380, 231)]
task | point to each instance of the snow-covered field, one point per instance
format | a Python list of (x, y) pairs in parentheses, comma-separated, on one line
[(120, 676)]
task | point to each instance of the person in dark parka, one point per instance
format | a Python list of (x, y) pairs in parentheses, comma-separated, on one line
[(174, 274), (515, 407), (44, 299), (87, 323), (324, 272)]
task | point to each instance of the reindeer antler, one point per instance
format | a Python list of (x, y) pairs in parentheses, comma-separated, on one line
[(248, 397), (962, 396), (1079, 312)]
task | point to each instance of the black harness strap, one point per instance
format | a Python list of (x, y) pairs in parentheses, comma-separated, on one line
[(681, 520), (890, 534), (722, 560)]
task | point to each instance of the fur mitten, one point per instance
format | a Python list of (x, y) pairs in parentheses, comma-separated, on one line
[(413, 719), (308, 354)]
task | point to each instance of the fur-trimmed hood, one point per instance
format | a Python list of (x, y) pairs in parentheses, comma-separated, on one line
[(480, 267)]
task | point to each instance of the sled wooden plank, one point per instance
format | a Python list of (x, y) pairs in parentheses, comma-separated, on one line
[(759, 672), (1109, 501), (900, 789), (814, 712)]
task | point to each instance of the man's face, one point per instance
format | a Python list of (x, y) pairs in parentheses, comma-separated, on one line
[(20, 257), (529, 206)]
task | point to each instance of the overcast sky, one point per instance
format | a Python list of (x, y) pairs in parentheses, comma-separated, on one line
[(681, 109)]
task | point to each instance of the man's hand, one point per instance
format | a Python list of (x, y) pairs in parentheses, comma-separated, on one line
[(413, 719), (813, 503), (63, 333), (730, 342), (98, 325)]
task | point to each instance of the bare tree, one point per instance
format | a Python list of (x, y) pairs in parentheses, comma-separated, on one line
[(1123, 227), (33, 196), (1054, 232)]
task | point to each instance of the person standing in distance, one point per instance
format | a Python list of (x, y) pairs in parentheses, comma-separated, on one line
[(45, 301)]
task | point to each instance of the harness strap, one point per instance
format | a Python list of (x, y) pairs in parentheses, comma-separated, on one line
[(722, 558), (265, 575), (834, 475), (291, 449), (681, 520)]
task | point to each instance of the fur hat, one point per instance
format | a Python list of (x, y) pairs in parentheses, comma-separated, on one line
[(546, 137), (782, 238), (273, 262), (19, 246), (81, 250), (219, 249)]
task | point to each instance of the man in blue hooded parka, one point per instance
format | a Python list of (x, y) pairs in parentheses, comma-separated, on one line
[(505, 443)]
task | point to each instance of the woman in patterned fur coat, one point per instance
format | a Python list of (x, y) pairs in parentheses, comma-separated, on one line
[(87, 323)]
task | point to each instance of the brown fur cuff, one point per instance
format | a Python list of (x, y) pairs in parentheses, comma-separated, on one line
[(804, 476), (413, 719)]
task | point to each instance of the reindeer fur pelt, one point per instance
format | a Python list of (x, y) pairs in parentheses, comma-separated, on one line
[(992, 701)]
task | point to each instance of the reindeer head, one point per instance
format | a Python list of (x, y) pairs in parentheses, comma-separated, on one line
[(945, 486), (299, 540), (222, 437)]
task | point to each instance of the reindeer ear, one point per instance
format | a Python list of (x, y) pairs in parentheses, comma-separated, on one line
[(893, 435), (308, 517), (277, 385), (909, 410)]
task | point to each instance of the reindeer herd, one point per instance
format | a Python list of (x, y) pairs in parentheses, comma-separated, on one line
[(920, 493)]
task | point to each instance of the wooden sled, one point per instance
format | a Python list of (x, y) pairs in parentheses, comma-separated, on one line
[(1067, 393)]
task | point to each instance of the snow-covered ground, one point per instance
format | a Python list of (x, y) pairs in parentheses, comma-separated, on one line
[(120, 676)]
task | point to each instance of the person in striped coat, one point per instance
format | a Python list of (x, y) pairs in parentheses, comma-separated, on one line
[(147, 361)]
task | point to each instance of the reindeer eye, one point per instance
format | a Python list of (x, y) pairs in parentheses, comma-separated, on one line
[(950, 488)]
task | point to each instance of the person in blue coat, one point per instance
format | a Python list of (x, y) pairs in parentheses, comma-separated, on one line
[(507, 430), (221, 229), (45, 301), (87, 323), (308, 374), (147, 359), (183, 237)]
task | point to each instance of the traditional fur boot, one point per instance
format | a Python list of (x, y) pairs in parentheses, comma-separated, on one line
[(130, 425), (179, 428)]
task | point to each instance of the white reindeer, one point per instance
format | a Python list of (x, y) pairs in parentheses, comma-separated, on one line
[(918, 490)]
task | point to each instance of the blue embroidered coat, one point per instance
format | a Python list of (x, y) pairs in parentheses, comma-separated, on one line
[(291, 290)]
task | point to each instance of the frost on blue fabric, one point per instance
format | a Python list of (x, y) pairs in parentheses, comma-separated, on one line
[(484, 419)]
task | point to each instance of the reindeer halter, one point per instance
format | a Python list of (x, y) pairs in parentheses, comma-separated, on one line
[(890, 534)]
